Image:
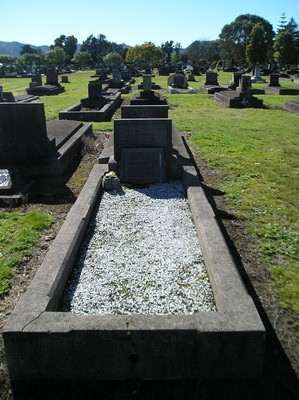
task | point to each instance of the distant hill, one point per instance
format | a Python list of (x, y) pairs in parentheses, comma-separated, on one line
[(13, 48)]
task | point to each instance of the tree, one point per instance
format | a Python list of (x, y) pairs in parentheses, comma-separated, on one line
[(203, 50), (28, 49), (6, 59), (282, 23), (145, 54), (167, 49), (55, 56), (234, 37), (68, 44), (96, 47), (81, 58), (256, 50), (285, 51), (292, 26), (113, 59)]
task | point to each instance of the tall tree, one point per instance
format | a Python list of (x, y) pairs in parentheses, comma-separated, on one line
[(167, 49), (282, 23), (55, 57), (68, 44), (234, 37), (285, 51), (207, 50), (96, 47), (256, 50)]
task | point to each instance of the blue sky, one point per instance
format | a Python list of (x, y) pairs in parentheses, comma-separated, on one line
[(131, 21)]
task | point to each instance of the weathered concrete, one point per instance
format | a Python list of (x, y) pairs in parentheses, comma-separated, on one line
[(293, 105), (45, 344), (110, 102)]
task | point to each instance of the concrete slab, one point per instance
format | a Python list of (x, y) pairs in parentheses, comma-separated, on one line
[(43, 344)]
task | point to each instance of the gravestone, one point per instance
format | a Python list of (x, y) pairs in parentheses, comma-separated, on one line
[(33, 68), (177, 80), (37, 79), (274, 80), (116, 76), (1, 93), (52, 78), (142, 149), (211, 78), (65, 79), (147, 82), (95, 90), (23, 134), (256, 78), (236, 76)]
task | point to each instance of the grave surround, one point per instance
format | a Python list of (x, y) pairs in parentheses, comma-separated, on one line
[(43, 344)]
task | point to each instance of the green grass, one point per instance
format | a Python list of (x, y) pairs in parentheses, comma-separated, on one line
[(19, 233), (253, 151)]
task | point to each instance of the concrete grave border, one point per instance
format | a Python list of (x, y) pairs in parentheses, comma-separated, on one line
[(44, 344)]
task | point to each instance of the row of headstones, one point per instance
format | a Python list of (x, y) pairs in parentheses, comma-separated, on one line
[(212, 79)]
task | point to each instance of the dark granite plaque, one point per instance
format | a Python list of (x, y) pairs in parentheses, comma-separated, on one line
[(142, 133), (142, 165)]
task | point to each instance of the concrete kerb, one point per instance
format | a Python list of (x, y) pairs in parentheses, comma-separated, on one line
[(43, 343)]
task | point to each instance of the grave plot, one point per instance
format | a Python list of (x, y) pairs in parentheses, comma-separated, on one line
[(177, 84), (274, 87), (45, 344), (241, 97), (147, 96), (51, 87), (30, 147), (211, 84), (98, 106)]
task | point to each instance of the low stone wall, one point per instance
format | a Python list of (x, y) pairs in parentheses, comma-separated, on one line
[(43, 344)]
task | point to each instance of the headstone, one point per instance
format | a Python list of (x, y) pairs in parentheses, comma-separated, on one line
[(1, 93), (274, 80), (257, 75), (244, 84), (95, 90), (142, 133), (37, 79), (211, 78), (65, 79), (177, 80), (52, 78), (116, 76), (147, 82), (33, 68), (236, 76), (23, 134)]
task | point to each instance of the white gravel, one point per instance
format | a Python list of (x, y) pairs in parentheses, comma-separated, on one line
[(141, 256)]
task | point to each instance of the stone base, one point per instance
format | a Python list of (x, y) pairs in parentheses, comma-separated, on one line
[(231, 99), (292, 106), (211, 89), (107, 106), (45, 90), (281, 91), (188, 90), (148, 98)]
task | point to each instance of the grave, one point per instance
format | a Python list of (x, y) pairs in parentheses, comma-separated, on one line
[(47, 346), (147, 96), (241, 97), (211, 84), (98, 106), (292, 105), (236, 76), (118, 83), (147, 83), (52, 86), (177, 84), (256, 77), (30, 147), (274, 87)]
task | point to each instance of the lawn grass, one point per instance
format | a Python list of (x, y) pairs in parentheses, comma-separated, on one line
[(253, 151)]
